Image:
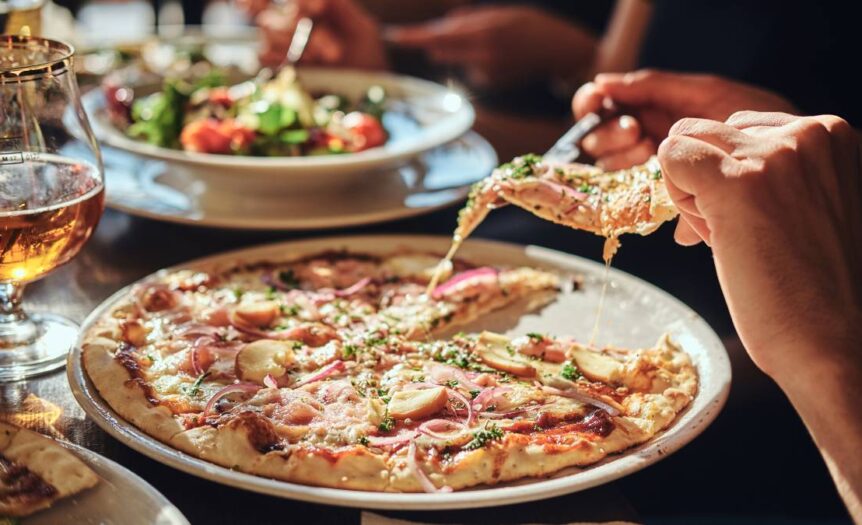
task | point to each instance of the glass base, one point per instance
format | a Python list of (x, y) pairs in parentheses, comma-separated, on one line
[(46, 351)]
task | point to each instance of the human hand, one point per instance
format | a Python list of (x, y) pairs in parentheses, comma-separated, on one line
[(652, 102), (344, 34), (500, 46), (779, 200)]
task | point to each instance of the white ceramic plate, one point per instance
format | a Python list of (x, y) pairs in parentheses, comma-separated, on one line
[(422, 116), (635, 315), (121, 497), (435, 179)]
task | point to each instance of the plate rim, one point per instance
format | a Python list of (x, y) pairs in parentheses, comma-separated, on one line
[(87, 456), (631, 461), (459, 193)]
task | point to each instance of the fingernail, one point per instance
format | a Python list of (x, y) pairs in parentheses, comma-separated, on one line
[(627, 122), (589, 142)]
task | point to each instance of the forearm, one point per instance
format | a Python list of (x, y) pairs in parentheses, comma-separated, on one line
[(826, 391), (620, 45)]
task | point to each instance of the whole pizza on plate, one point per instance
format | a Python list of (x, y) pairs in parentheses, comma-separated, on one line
[(328, 370)]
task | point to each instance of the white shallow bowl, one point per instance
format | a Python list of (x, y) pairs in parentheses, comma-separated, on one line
[(635, 315), (120, 497), (423, 116)]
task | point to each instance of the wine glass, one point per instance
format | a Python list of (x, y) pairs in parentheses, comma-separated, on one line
[(51, 194)]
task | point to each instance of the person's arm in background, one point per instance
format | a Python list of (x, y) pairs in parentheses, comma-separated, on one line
[(651, 101), (501, 46), (779, 200), (344, 33), (621, 43)]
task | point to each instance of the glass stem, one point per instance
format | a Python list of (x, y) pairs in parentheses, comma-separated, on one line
[(15, 327)]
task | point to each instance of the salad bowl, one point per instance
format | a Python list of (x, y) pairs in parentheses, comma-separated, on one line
[(418, 116)]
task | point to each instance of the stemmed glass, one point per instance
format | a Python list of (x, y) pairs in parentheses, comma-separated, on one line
[(51, 197)]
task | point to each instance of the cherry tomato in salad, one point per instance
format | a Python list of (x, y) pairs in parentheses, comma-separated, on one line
[(214, 136), (118, 100), (221, 96), (365, 131)]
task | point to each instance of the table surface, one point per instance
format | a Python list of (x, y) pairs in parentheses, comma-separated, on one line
[(723, 476)]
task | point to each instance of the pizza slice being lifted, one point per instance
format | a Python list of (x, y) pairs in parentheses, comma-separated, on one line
[(634, 200), (35, 471)]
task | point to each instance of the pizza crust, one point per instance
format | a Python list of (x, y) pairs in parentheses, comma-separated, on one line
[(57, 466)]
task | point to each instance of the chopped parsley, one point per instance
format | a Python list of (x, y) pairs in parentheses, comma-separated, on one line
[(656, 175), (387, 424), (571, 372), (453, 355), (521, 167), (348, 351), (270, 294), (383, 394), (238, 293), (195, 389), (536, 337), (297, 345), (584, 188), (418, 378), (483, 437), (375, 341), (452, 383), (288, 278), (363, 440), (291, 310), (474, 393)]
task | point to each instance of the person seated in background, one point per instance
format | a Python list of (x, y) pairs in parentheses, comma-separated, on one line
[(545, 48), (500, 46)]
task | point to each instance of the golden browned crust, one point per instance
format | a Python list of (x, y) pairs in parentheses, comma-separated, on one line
[(58, 473)]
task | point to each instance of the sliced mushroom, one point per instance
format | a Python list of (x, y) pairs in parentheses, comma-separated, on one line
[(416, 404), (494, 352), (596, 366), (261, 313), (266, 356)]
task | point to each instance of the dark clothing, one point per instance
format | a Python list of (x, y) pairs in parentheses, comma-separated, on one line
[(803, 50)]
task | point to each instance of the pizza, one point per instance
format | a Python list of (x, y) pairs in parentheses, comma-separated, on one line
[(335, 369), (580, 196), (35, 471)]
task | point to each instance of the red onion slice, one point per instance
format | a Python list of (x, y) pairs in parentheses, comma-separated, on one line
[(332, 368), (423, 479), (295, 333), (197, 347), (459, 397), (388, 441), (479, 274), (198, 330), (581, 397), (432, 427), (247, 388), (270, 381), (354, 288), (271, 279), (442, 374), (486, 396)]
